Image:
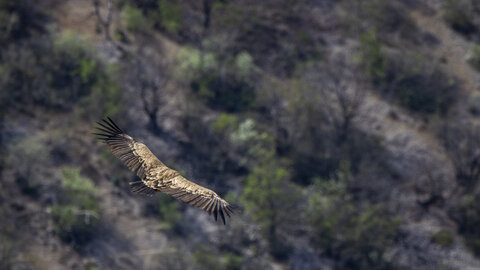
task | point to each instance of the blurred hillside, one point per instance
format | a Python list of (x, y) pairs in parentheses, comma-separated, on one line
[(347, 132)]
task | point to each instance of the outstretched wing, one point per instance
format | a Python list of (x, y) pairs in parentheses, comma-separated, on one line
[(198, 196), (138, 158), (135, 155)]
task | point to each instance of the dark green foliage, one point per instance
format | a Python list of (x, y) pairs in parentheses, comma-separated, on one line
[(389, 18), (467, 214), (373, 58), (410, 79), (225, 84), (168, 15), (169, 213), (20, 19), (7, 253), (77, 214), (135, 22), (459, 14), (474, 56), (272, 200), (206, 260), (356, 235), (63, 73), (164, 15), (28, 156), (443, 238)]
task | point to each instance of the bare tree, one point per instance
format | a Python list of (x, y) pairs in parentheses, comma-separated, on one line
[(150, 79), (106, 21), (341, 97), (463, 145)]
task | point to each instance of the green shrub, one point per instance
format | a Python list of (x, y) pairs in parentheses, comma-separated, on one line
[(161, 14), (373, 59), (206, 260), (28, 157), (19, 19), (169, 213), (7, 253), (210, 261), (459, 15), (272, 200), (169, 15), (466, 212), (64, 73), (226, 84), (224, 121), (77, 214), (411, 79), (356, 235), (389, 18), (474, 56), (443, 237), (135, 21)]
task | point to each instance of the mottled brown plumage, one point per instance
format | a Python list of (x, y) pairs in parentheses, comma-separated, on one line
[(155, 176)]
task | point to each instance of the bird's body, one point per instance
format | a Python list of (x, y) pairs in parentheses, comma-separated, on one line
[(156, 176)]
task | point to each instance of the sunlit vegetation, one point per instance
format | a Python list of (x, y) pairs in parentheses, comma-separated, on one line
[(357, 235), (209, 261), (64, 73), (443, 238), (168, 213), (272, 199), (474, 56), (77, 213), (225, 84)]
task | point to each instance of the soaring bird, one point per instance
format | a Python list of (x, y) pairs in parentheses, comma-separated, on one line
[(155, 176)]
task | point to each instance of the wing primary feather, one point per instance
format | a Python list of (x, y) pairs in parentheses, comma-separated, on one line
[(109, 125), (111, 121), (139, 187), (108, 132), (215, 210), (191, 198), (107, 128), (221, 213), (202, 204), (195, 200), (208, 206)]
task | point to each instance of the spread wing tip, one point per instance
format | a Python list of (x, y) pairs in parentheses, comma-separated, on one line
[(220, 208), (107, 129)]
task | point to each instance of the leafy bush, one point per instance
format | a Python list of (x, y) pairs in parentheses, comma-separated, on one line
[(210, 261), (224, 121), (272, 200), (459, 15), (7, 253), (169, 15), (224, 84), (77, 214), (162, 14), (443, 238), (466, 212), (19, 19), (387, 17), (169, 213), (356, 235), (372, 57), (64, 72), (414, 82), (135, 21), (474, 56), (27, 156)]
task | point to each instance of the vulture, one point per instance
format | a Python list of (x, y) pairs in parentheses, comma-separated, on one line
[(155, 176)]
